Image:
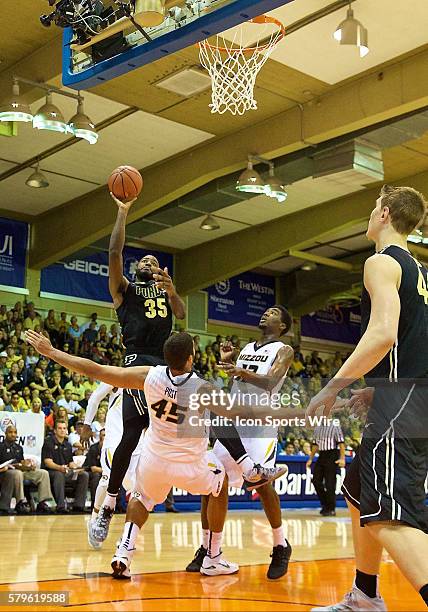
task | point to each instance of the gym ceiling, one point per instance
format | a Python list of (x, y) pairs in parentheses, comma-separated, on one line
[(314, 97)]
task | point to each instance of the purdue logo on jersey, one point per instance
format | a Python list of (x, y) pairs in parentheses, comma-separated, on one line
[(150, 291)]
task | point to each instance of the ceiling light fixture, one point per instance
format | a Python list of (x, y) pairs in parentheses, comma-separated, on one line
[(309, 266), (417, 237), (250, 180), (37, 179), (14, 109), (49, 117), (209, 224), (81, 126), (350, 31), (274, 188)]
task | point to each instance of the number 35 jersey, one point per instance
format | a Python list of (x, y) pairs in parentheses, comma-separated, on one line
[(175, 432), (145, 317)]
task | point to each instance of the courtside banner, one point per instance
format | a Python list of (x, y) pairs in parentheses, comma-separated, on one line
[(87, 277), (241, 299), (294, 489), (30, 428), (13, 252), (335, 323)]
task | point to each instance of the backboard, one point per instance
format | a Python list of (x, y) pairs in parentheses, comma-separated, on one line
[(121, 47)]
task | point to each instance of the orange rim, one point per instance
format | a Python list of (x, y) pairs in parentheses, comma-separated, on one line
[(261, 19)]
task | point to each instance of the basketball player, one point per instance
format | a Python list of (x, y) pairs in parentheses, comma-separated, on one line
[(144, 310), (384, 486), (169, 457), (113, 434), (261, 368)]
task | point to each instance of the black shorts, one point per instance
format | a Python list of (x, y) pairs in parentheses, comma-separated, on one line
[(134, 401), (388, 477)]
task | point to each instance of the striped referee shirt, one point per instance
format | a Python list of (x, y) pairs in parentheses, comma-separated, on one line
[(327, 437)]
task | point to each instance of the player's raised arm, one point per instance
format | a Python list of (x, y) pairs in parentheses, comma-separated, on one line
[(382, 276), (118, 377), (266, 381), (116, 281)]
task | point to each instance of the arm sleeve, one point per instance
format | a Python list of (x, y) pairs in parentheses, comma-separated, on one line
[(97, 396)]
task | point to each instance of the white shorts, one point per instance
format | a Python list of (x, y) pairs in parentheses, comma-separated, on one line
[(106, 461), (156, 476), (260, 450)]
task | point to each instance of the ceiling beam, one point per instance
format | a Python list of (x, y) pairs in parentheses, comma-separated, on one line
[(400, 90), (324, 261), (203, 265)]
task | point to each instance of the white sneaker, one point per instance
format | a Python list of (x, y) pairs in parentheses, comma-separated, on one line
[(260, 475), (355, 600), (91, 540), (218, 566), (120, 564)]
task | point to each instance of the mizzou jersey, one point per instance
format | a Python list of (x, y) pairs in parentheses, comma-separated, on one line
[(171, 433), (258, 358), (408, 358), (145, 317)]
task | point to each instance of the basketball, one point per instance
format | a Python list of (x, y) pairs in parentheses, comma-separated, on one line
[(125, 183)]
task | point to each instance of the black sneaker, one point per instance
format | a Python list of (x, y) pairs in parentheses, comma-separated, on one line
[(196, 564), (43, 508), (279, 565), (22, 507)]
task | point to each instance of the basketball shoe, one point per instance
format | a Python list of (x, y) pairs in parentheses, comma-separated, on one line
[(102, 523), (121, 562), (196, 563), (93, 543), (217, 566), (355, 601), (260, 475), (280, 557)]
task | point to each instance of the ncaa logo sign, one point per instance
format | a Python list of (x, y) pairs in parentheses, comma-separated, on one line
[(223, 287), (31, 441), (6, 421)]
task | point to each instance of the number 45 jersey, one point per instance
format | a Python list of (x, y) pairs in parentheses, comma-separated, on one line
[(176, 431)]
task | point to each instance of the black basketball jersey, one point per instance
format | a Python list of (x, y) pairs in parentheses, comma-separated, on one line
[(408, 358), (145, 317)]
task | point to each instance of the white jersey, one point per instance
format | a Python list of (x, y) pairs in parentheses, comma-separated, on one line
[(114, 423), (258, 358), (175, 431)]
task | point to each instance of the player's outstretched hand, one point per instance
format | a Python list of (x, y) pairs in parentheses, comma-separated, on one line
[(322, 403), (123, 205), (230, 369), (163, 280), (41, 343), (360, 401)]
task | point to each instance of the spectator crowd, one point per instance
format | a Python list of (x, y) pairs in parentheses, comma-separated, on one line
[(31, 383)]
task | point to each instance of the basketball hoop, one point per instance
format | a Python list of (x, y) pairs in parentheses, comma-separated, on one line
[(234, 66)]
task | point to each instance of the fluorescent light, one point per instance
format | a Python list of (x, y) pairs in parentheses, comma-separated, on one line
[(37, 179), (350, 31), (209, 224), (250, 181)]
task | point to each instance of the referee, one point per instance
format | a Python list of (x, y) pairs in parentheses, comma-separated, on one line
[(145, 310), (329, 442)]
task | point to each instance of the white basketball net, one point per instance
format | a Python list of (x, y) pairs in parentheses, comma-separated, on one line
[(234, 67)]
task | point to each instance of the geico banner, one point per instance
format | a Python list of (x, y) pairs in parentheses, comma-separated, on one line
[(87, 277), (241, 299), (30, 428), (13, 252)]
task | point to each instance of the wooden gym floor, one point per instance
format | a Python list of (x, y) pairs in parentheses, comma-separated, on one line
[(51, 554)]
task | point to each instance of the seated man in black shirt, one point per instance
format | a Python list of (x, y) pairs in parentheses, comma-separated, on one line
[(12, 477), (93, 465), (57, 457)]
